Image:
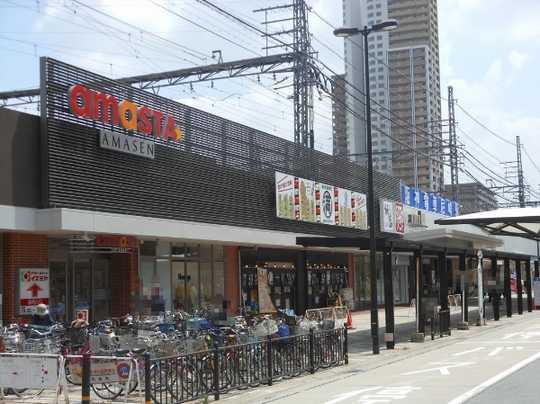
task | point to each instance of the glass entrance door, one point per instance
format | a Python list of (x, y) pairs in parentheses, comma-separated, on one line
[(185, 280), (91, 288), (82, 285), (100, 290)]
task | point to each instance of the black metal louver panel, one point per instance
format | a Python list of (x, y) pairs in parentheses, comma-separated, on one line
[(222, 172)]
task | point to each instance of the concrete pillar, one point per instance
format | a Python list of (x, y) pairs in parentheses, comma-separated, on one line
[(232, 279), (388, 298), (519, 287)]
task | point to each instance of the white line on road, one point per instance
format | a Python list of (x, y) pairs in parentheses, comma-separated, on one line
[(469, 351), (496, 351), (443, 369), (346, 396), (481, 387)]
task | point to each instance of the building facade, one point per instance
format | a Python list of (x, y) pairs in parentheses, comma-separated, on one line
[(359, 13), (415, 93), (473, 197), (404, 109)]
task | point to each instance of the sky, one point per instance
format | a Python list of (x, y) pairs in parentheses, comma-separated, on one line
[(489, 52)]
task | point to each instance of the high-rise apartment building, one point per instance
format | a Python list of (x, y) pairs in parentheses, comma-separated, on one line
[(414, 80), (473, 197), (359, 13), (404, 88)]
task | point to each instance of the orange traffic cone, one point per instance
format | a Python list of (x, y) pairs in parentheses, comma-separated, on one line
[(348, 324)]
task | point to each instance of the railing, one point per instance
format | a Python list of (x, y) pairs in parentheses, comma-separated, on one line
[(187, 377)]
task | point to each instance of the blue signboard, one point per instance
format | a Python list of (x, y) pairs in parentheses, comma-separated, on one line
[(429, 201)]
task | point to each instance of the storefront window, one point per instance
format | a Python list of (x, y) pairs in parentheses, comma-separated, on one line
[(186, 277)]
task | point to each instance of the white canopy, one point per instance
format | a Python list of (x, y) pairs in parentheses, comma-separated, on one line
[(517, 222)]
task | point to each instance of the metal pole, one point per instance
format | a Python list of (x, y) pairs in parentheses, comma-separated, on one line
[(86, 369), (480, 289), (371, 207), (388, 299)]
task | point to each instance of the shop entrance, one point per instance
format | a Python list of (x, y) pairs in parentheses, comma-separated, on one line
[(185, 278), (90, 287)]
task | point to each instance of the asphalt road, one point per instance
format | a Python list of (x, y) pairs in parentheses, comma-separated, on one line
[(496, 363)]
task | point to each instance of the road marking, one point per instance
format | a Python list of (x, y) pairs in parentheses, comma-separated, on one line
[(481, 387), (496, 351), (351, 394), (384, 395), (469, 351), (443, 369), (497, 342), (522, 335)]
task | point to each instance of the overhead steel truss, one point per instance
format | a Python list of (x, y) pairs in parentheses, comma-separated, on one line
[(281, 63)]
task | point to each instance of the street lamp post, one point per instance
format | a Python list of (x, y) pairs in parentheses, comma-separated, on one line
[(347, 32)]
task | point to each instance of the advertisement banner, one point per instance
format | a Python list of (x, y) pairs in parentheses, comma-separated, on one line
[(307, 200), (265, 301), (29, 372), (359, 210), (343, 205), (33, 289), (326, 204), (388, 216), (400, 218), (285, 196), (102, 370), (392, 217)]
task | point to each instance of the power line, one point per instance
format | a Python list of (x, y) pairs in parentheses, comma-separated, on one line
[(484, 126)]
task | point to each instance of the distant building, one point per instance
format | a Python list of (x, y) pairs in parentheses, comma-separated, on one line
[(473, 197), (339, 118), (404, 78)]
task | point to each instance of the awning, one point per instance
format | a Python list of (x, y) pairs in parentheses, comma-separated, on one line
[(516, 222), (453, 238)]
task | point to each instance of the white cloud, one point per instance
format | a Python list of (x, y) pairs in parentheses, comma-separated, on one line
[(518, 59)]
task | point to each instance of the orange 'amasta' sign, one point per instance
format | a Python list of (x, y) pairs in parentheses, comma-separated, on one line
[(99, 106)]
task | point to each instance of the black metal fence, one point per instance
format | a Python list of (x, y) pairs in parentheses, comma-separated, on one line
[(211, 373)]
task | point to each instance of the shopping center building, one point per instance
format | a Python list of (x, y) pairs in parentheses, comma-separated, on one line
[(117, 200)]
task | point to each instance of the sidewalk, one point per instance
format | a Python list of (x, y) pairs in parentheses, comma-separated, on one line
[(361, 358)]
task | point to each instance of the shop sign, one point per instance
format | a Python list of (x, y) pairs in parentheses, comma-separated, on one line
[(126, 144), (359, 210), (309, 201), (102, 371), (285, 198), (33, 289), (114, 241), (428, 201), (306, 200), (392, 217), (99, 106), (325, 204), (343, 207)]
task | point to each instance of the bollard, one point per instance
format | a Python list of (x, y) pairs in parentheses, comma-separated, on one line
[(345, 346), (147, 381), (86, 369), (269, 359), (215, 369), (311, 351)]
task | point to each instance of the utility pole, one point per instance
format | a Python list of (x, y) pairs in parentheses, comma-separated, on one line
[(454, 169), (521, 182), (303, 80)]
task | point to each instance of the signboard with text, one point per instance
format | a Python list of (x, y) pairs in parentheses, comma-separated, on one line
[(33, 289), (428, 201), (310, 201)]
